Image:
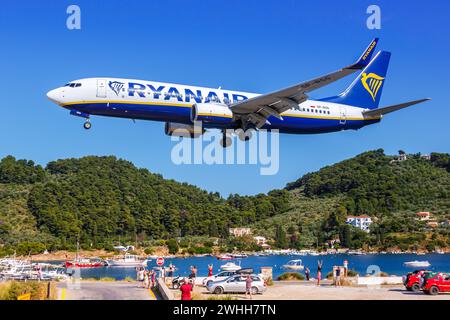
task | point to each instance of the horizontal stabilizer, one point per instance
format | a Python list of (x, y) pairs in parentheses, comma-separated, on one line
[(381, 111)]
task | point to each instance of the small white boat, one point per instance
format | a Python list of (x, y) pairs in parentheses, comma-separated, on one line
[(294, 265), (230, 266), (417, 263), (128, 260)]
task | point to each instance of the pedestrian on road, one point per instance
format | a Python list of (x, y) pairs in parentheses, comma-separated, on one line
[(319, 271), (307, 273), (141, 275), (146, 280), (248, 286), (153, 278), (171, 269), (186, 289)]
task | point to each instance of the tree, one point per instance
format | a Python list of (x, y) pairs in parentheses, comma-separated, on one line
[(280, 237), (172, 245)]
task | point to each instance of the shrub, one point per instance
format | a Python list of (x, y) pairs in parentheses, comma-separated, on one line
[(38, 290), (172, 245), (291, 276), (148, 250)]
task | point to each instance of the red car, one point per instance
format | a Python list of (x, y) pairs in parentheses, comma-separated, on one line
[(434, 284), (413, 280)]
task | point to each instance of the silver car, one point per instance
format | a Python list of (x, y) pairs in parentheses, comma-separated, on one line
[(237, 284)]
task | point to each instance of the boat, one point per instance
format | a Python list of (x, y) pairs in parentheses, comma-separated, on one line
[(417, 263), (239, 255), (294, 265), (127, 260), (225, 257), (86, 263), (230, 266)]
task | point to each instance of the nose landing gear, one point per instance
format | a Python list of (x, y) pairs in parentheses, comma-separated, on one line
[(87, 125)]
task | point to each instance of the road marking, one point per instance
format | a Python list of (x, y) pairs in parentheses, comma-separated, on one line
[(152, 294), (63, 294)]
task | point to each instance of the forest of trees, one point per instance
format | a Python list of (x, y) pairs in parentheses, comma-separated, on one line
[(96, 200)]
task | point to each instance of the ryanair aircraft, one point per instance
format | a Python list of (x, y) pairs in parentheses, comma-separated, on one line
[(289, 110)]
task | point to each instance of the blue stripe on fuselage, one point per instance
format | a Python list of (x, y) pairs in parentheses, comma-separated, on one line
[(181, 114)]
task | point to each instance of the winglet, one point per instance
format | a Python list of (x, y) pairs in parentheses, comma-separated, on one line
[(364, 60)]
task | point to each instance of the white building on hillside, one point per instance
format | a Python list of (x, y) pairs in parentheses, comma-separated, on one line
[(260, 241), (362, 222), (240, 232)]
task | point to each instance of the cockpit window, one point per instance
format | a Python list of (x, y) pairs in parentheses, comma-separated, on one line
[(72, 85)]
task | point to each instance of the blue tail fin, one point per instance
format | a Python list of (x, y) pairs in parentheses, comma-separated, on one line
[(365, 90)]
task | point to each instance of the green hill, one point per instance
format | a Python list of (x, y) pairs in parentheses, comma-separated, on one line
[(98, 200)]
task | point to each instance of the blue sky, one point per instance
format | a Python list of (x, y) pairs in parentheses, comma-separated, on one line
[(255, 46)]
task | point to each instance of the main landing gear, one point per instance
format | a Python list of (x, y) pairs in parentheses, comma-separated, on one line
[(227, 140), (87, 125)]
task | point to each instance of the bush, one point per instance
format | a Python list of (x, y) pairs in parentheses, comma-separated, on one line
[(291, 276), (38, 290), (148, 250), (172, 245)]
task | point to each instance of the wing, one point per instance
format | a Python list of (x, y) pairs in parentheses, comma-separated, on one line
[(258, 109)]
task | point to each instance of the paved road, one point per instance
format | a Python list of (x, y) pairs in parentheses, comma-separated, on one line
[(299, 290), (98, 290)]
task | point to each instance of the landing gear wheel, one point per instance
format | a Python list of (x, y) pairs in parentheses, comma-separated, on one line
[(87, 125), (245, 135), (226, 141)]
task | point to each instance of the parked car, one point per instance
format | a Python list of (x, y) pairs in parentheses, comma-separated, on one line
[(413, 280), (440, 282), (224, 275), (236, 283)]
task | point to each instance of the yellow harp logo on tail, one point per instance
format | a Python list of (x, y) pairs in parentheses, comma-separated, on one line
[(372, 83)]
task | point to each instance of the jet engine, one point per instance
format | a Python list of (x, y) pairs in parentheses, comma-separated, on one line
[(183, 130), (211, 113)]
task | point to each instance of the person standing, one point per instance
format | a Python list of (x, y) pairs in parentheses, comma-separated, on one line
[(210, 270), (186, 289), (141, 275), (338, 276), (319, 271), (307, 273), (248, 286), (171, 268), (153, 278), (345, 268), (146, 279)]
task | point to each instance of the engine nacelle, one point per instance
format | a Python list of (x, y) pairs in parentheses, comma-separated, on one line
[(211, 113), (183, 130)]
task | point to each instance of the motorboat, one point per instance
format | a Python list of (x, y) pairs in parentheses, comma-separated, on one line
[(294, 265), (230, 266), (128, 260), (86, 263), (239, 255), (416, 263), (225, 257)]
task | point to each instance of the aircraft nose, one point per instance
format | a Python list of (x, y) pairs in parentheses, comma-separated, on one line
[(54, 95)]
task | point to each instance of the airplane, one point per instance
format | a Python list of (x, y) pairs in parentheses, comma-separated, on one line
[(289, 110)]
